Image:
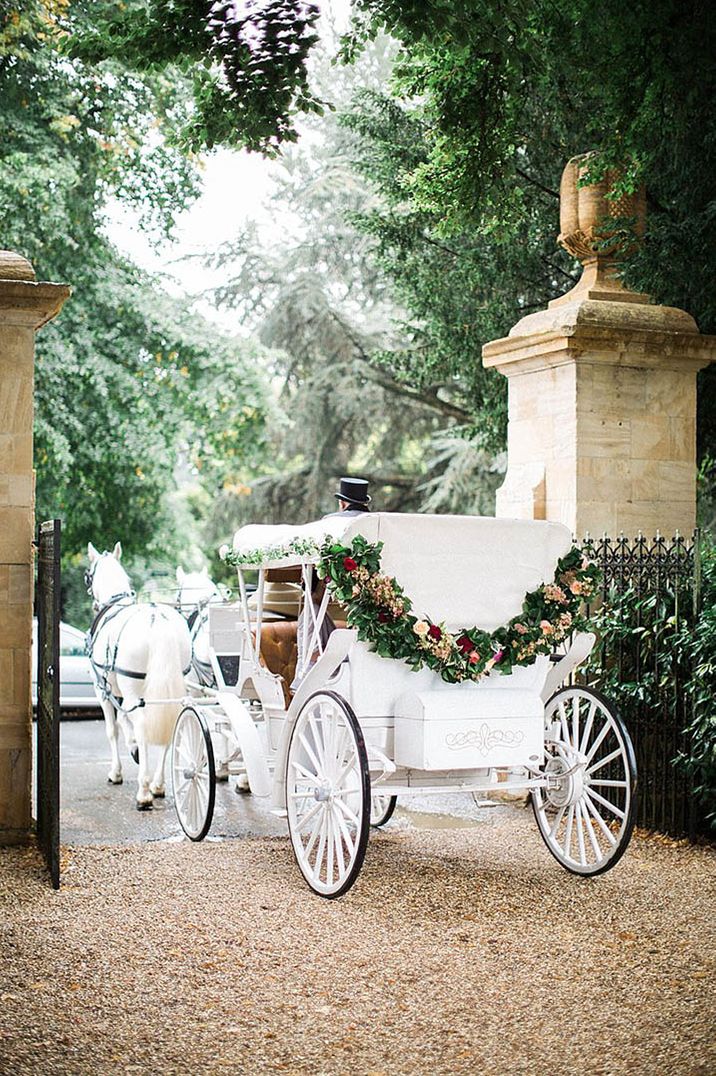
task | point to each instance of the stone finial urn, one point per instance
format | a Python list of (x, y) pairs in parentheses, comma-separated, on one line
[(585, 216), (585, 211), (14, 267)]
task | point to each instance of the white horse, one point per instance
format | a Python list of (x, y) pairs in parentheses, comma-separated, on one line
[(196, 592), (139, 654)]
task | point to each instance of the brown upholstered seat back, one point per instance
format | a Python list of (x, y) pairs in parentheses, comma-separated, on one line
[(279, 651)]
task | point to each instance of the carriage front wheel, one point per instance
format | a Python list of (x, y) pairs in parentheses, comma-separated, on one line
[(328, 794), (381, 809), (193, 773), (585, 811)]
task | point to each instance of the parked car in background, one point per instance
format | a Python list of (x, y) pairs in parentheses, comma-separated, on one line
[(76, 680)]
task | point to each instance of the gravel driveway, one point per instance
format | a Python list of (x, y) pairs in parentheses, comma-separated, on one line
[(460, 950)]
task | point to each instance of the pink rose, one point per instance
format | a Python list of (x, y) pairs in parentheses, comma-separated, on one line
[(546, 627), (520, 629), (474, 657)]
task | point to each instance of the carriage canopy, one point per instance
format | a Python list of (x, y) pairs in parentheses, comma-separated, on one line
[(463, 570)]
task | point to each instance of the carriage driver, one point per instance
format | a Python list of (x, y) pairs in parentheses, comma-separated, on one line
[(353, 497)]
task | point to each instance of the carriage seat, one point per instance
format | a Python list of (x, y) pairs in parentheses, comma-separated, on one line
[(279, 651)]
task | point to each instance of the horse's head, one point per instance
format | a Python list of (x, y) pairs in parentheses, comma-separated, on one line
[(195, 588), (106, 579)]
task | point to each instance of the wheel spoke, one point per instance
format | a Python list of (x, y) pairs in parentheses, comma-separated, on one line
[(310, 752), (312, 838), (330, 845), (305, 772), (588, 728), (350, 845), (600, 821), (604, 761), (605, 803), (318, 736), (575, 723), (556, 823), (301, 823), (580, 839), (321, 848), (608, 784), (568, 834), (340, 856), (348, 813), (590, 832), (597, 742), (351, 791)]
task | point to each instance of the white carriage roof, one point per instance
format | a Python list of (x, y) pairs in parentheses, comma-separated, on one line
[(463, 570), (274, 540)]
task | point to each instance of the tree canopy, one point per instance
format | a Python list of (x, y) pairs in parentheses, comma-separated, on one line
[(130, 384)]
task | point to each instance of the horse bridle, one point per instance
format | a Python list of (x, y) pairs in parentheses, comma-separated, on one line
[(89, 575)]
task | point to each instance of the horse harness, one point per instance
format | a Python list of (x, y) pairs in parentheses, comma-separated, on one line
[(103, 670), (196, 621)]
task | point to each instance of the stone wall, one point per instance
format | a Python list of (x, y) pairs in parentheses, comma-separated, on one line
[(24, 307)]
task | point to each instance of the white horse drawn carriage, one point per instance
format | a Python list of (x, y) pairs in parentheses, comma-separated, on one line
[(418, 708)]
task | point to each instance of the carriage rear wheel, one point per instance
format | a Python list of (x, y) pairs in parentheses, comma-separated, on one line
[(328, 794), (381, 809), (193, 773), (586, 812)]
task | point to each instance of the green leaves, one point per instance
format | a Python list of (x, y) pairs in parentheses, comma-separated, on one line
[(247, 63), (382, 613)]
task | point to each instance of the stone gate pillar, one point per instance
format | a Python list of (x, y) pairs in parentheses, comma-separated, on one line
[(24, 306), (602, 393)]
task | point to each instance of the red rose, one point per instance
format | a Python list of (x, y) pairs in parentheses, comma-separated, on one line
[(434, 632), (383, 617), (349, 564), (465, 645)]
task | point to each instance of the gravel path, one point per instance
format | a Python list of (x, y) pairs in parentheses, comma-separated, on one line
[(463, 950)]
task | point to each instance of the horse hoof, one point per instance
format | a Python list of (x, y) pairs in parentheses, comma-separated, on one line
[(159, 795), (144, 806), (222, 778), (135, 754), (115, 780)]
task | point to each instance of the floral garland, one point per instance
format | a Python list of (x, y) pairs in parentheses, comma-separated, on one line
[(377, 606)]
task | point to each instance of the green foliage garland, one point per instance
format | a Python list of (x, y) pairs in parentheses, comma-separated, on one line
[(378, 607)]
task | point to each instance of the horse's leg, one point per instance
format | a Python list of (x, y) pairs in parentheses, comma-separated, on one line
[(130, 738), (110, 724), (145, 799), (157, 787)]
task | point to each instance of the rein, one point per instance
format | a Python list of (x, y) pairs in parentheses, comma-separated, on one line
[(105, 615)]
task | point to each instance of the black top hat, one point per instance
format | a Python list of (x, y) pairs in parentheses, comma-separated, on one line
[(355, 491)]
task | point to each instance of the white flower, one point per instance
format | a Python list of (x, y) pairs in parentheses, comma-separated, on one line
[(420, 627), (224, 551)]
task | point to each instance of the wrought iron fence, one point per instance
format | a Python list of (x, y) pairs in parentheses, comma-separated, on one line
[(649, 589)]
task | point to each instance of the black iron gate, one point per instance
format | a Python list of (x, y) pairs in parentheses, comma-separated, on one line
[(650, 587), (47, 604)]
